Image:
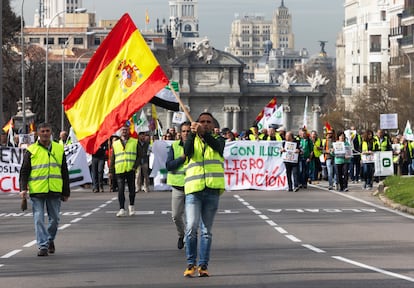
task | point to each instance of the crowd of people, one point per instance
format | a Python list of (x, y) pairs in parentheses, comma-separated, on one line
[(196, 172)]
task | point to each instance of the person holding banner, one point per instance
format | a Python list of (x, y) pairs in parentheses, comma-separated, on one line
[(44, 176), (175, 178), (369, 146), (124, 163), (343, 154), (203, 185), (290, 154)]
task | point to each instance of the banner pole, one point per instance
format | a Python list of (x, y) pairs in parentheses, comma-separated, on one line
[(181, 104)]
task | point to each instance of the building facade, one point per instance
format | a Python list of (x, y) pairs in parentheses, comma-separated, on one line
[(250, 34), (184, 22)]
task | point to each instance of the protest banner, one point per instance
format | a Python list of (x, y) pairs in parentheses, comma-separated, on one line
[(290, 155), (11, 159)]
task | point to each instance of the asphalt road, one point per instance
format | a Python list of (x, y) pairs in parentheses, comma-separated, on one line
[(312, 238)]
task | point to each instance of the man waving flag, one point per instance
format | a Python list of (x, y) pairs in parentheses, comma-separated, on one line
[(121, 77)]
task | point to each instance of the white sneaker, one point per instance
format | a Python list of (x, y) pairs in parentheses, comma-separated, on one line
[(131, 210), (121, 213)]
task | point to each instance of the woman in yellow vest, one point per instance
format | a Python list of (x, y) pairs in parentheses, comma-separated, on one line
[(44, 175), (204, 182), (369, 146)]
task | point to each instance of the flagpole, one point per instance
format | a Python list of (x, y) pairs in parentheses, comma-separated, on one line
[(181, 104)]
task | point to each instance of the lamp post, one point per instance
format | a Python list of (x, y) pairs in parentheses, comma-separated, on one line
[(62, 119), (77, 64), (410, 69), (78, 10), (22, 68)]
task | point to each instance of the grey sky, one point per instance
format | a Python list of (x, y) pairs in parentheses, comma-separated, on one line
[(313, 20)]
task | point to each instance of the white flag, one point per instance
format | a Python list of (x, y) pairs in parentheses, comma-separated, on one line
[(305, 113), (276, 117), (408, 132), (142, 123)]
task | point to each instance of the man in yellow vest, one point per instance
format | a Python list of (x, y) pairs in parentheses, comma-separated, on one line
[(204, 182), (44, 176), (124, 163), (175, 178)]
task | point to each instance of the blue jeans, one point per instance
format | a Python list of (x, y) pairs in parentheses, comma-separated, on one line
[(330, 170), (200, 209), (369, 170), (303, 172), (43, 233)]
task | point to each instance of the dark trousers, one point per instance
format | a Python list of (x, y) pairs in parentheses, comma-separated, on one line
[(303, 172), (342, 170), (97, 173), (292, 171), (369, 169), (129, 177), (355, 167)]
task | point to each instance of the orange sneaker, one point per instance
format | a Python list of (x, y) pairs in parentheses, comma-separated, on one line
[(202, 271), (190, 271)]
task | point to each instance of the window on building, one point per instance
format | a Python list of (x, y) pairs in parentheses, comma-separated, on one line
[(375, 43), (62, 40), (97, 41), (34, 40), (187, 27), (51, 41), (383, 15), (375, 72), (78, 41)]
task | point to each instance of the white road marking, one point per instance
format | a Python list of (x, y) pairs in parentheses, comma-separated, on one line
[(372, 268), (280, 230), (76, 220), (264, 217), (271, 223), (64, 226), (30, 244), (313, 248), (293, 238), (11, 253), (87, 214)]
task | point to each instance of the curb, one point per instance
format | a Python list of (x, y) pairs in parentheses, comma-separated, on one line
[(396, 206)]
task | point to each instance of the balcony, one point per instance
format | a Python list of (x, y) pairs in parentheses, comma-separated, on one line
[(407, 17), (407, 41)]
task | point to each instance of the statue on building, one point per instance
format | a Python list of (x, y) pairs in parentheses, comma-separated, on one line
[(204, 50), (317, 80), (285, 80), (322, 53)]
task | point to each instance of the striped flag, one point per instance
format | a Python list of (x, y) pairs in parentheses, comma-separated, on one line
[(121, 77), (166, 98), (147, 19), (268, 109)]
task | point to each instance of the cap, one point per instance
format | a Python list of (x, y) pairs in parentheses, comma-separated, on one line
[(274, 126)]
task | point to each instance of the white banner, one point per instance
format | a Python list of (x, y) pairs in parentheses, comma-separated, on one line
[(247, 165), (11, 160), (383, 163)]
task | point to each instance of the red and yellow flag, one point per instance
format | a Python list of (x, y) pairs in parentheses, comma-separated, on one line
[(121, 77), (271, 105), (8, 125), (147, 19)]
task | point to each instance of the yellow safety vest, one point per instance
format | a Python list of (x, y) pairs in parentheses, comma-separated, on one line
[(375, 146), (125, 156), (46, 174), (176, 177), (316, 151), (205, 169)]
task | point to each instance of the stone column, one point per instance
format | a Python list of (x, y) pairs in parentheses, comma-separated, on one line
[(316, 110), (169, 119), (226, 109), (286, 113), (236, 116)]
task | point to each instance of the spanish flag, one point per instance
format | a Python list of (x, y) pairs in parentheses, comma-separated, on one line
[(121, 77), (270, 106), (147, 19), (8, 125)]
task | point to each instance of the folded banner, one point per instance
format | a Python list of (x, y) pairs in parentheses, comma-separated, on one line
[(166, 98), (121, 77)]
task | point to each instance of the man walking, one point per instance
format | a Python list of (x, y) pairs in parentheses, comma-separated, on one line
[(124, 162), (175, 178), (204, 182), (44, 176)]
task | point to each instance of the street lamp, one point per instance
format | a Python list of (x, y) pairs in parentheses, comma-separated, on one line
[(410, 69), (22, 68), (78, 10), (77, 63)]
